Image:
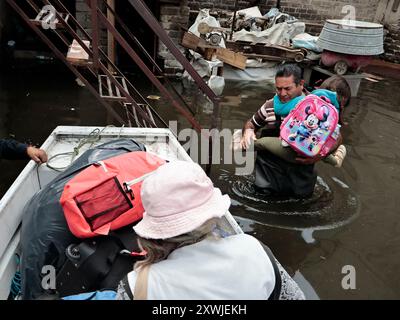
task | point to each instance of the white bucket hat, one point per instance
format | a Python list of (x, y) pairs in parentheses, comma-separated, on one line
[(178, 198)]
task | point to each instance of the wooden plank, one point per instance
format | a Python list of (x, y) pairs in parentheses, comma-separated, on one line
[(79, 62), (264, 49), (264, 57), (372, 80), (190, 41), (234, 59), (385, 64), (373, 76), (230, 57), (210, 53)]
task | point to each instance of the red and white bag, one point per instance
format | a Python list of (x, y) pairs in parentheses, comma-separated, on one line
[(106, 195)]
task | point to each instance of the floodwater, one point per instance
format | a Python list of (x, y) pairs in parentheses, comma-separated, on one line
[(352, 219)]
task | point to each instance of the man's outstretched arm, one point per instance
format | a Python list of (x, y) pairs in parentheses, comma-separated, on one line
[(265, 115), (248, 135), (14, 150)]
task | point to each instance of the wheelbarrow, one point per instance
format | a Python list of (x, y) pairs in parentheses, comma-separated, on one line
[(342, 63)]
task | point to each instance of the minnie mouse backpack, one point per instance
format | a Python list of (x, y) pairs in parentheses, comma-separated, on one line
[(311, 128)]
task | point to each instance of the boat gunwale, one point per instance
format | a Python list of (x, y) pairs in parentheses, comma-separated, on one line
[(12, 231)]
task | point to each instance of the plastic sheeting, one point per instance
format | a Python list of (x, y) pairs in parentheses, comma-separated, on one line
[(217, 84), (203, 67), (307, 41), (260, 74), (280, 33), (45, 234), (204, 17)]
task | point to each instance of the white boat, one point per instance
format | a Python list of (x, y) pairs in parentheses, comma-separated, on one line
[(161, 142)]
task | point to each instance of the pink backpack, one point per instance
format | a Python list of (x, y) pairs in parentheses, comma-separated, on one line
[(311, 128)]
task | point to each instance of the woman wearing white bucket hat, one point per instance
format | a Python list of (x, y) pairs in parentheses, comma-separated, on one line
[(187, 258)]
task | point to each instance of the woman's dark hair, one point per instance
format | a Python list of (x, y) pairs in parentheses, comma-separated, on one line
[(287, 70), (340, 86)]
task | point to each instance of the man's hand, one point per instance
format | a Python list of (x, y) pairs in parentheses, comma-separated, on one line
[(249, 136), (37, 155)]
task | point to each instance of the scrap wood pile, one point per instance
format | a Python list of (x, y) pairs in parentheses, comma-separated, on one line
[(248, 35)]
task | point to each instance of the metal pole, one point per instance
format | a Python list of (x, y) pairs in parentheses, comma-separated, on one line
[(110, 37), (61, 56), (95, 33), (147, 71), (234, 20), (152, 22)]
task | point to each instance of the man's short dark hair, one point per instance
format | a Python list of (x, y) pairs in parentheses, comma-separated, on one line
[(287, 70)]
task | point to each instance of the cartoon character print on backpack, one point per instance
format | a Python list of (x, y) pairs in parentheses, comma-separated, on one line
[(312, 127)]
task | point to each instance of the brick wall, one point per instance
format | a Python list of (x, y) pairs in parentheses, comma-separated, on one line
[(320, 10), (392, 44), (83, 17), (173, 17), (315, 12), (229, 4)]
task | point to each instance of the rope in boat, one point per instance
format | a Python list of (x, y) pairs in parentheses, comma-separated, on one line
[(91, 138)]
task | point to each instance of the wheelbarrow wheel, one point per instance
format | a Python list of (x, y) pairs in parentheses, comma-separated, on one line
[(340, 68), (299, 57)]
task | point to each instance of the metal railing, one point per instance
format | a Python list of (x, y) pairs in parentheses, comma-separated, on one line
[(98, 58)]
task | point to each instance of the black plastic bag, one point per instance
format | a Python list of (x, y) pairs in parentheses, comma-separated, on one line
[(45, 234)]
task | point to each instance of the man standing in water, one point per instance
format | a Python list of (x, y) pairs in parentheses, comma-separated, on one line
[(14, 150), (275, 176)]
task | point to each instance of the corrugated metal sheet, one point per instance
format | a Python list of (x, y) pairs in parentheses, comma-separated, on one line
[(352, 37)]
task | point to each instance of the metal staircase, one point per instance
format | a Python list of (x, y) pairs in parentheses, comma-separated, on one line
[(95, 68)]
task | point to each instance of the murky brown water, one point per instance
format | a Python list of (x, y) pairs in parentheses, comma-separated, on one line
[(353, 218)]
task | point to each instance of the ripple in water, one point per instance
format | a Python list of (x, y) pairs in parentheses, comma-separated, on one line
[(332, 205)]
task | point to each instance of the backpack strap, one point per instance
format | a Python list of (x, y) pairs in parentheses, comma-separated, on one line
[(278, 280), (140, 292), (126, 287)]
